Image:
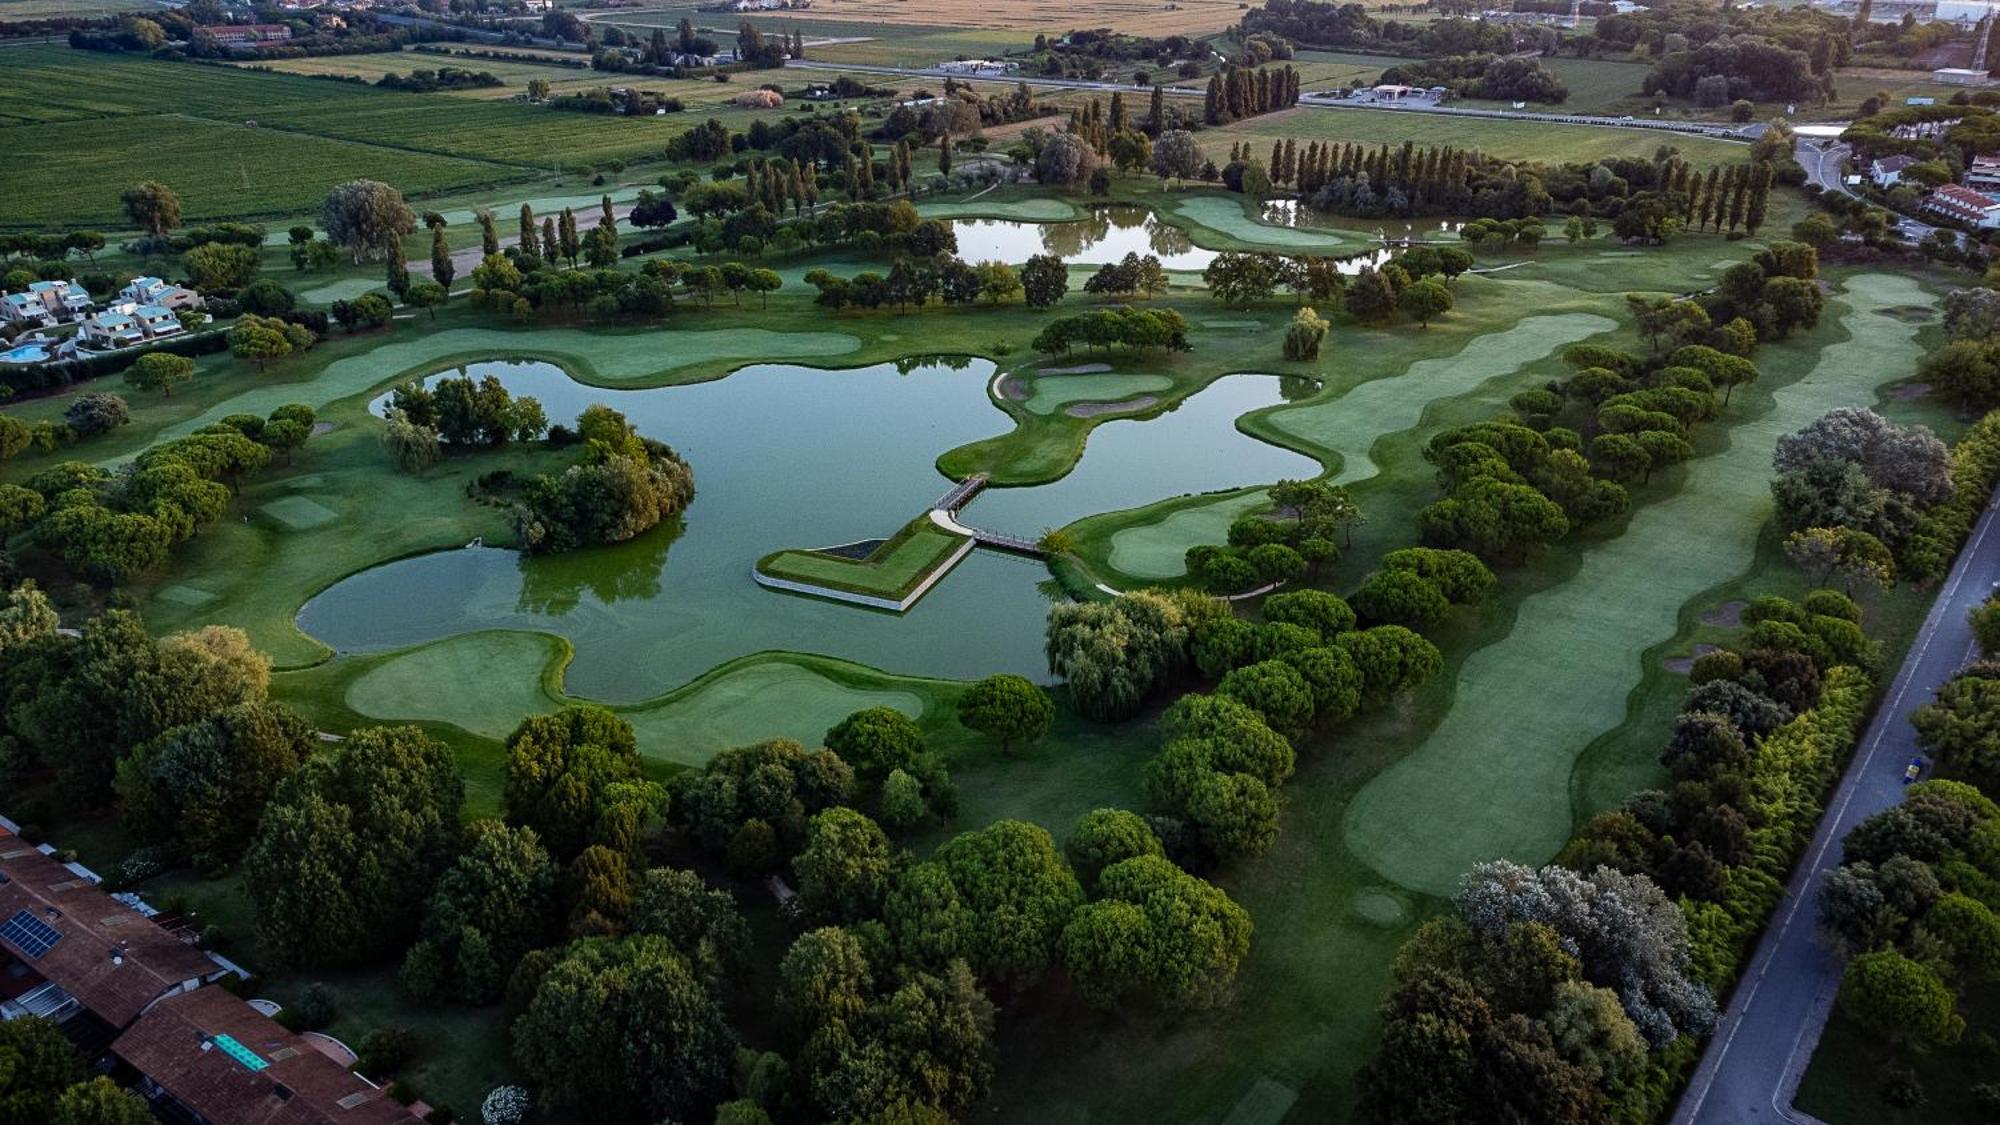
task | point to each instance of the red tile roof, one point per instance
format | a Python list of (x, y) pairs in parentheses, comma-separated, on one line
[(297, 1085), (113, 959)]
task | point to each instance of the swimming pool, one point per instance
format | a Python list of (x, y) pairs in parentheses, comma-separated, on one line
[(25, 353)]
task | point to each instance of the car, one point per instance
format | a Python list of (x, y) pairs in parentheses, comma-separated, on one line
[(1913, 771)]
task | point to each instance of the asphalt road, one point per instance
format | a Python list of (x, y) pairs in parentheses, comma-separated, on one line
[(1823, 165), (1752, 1067)]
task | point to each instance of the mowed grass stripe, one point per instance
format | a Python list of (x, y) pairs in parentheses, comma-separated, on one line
[(1492, 779)]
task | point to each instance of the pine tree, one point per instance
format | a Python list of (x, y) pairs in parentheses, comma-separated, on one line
[(489, 239), (551, 249), (610, 216), (1156, 113), (853, 169), (1211, 107), (527, 229), (566, 232), (1117, 111), (1711, 197), (656, 50), (442, 269), (944, 154)]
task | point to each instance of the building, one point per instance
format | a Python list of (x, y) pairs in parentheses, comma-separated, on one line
[(153, 291), (237, 34), (1888, 171), (1960, 76), (208, 1056), (1965, 205), (128, 323), (70, 951), (1984, 173), (46, 304), (1965, 12)]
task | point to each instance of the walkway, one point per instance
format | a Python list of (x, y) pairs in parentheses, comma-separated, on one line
[(1753, 1065)]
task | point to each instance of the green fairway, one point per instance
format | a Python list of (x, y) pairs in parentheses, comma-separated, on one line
[(756, 699), (1159, 549), (1024, 210), (614, 359), (1491, 779), (1350, 424), (430, 682), (1229, 216), (1514, 140), (1053, 392)]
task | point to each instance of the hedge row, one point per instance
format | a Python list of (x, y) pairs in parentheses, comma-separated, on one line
[(31, 378), (1975, 469)]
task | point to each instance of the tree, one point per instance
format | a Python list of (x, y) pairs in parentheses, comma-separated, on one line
[(426, 295), (624, 1031), (1304, 335), (876, 740), (364, 216), (200, 788), (1044, 280), (1064, 159), (489, 908), (1899, 999), (264, 339), (42, 1064), (1103, 837), (1400, 597), (1276, 691), (101, 1101), (349, 845), (94, 414), (1426, 299), (153, 207), (1176, 155), (998, 281), (159, 371), (845, 868), (214, 266), (1157, 930), (1008, 708), (413, 447), (999, 897), (1961, 726), (564, 773)]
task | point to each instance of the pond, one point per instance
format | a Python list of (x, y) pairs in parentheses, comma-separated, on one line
[(1110, 233), (791, 456)]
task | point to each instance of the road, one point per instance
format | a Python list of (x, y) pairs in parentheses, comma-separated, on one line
[(1311, 100), (1751, 1070), (1824, 164)]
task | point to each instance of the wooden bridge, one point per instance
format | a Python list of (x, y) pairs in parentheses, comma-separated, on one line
[(961, 493), (1004, 542)]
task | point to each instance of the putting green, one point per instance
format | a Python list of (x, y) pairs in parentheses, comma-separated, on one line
[(1053, 392), (614, 358), (1026, 210), (750, 703), (1227, 216), (1493, 778), (485, 683), (1351, 424), (1159, 549)]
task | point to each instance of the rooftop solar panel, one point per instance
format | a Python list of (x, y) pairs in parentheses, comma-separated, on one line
[(29, 934)]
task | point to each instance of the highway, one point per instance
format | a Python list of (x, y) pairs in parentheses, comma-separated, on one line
[(1752, 1067)]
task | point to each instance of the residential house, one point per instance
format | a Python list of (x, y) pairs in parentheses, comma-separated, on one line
[(46, 304), (153, 291), (1888, 171), (209, 1056), (1984, 172), (69, 951), (1965, 205), (128, 323)]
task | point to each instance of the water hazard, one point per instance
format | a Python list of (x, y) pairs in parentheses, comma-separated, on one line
[(790, 456)]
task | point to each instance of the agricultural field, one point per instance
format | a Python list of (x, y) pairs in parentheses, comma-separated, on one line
[(1137, 17), (258, 144), (370, 68)]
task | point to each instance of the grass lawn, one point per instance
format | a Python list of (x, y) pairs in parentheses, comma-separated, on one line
[(1515, 140), (895, 568)]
